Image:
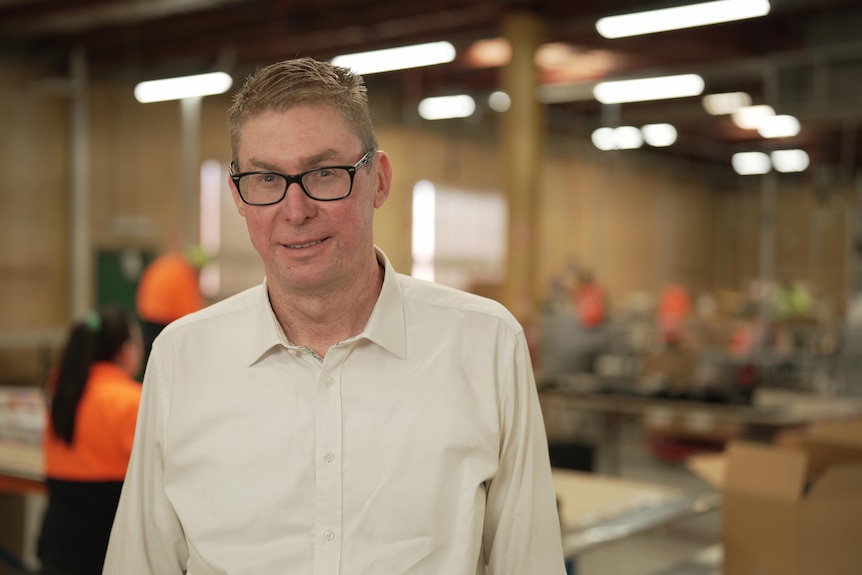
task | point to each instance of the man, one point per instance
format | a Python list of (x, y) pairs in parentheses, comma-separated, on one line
[(339, 418)]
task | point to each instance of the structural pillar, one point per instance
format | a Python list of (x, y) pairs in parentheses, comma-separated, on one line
[(769, 183), (191, 169), (81, 277), (523, 133)]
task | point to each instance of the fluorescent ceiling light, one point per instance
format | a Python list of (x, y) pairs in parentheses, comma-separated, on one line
[(603, 139), (621, 138), (445, 107), (750, 163), (183, 87), (678, 17), (790, 160), (659, 88), (783, 126), (659, 135), (397, 58), (726, 103), (749, 117), (628, 138)]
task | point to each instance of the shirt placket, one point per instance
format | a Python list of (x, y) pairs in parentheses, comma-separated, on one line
[(328, 471)]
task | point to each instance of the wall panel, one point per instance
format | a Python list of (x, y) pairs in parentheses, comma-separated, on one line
[(635, 219)]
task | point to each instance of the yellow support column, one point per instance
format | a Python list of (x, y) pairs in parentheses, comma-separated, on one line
[(523, 133)]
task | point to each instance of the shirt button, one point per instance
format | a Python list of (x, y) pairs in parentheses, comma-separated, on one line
[(328, 456), (329, 535), (328, 381)]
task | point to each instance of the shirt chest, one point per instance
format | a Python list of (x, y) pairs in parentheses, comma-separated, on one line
[(308, 453)]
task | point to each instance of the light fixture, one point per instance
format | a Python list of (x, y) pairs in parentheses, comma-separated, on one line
[(678, 17), (643, 89), (621, 138), (725, 103), (499, 101), (603, 139), (445, 107), (628, 138), (489, 53), (397, 58), (790, 160), (659, 135), (750, 163), (183, 87), (749, 117), (783, 126), (631, 138)]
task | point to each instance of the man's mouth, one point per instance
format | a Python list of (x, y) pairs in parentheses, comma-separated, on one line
[(304, 245)]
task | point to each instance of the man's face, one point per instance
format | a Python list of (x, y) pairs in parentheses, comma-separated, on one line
[(310, 247)]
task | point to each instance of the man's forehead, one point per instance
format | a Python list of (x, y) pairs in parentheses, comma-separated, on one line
[(269, 136), (271, 160)]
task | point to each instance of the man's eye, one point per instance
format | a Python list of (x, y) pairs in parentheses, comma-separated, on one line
[(263, 179)]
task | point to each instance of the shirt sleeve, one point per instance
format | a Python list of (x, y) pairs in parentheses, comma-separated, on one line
[(147, 538), (522, 527)]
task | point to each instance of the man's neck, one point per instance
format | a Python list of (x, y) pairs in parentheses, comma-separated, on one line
[(319, 321)]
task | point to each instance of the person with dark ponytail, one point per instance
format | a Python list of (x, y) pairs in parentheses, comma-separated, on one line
[(93, 405)]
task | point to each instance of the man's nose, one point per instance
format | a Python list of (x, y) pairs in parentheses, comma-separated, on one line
[(296, 205)]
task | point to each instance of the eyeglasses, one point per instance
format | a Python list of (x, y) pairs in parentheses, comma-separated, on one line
[(325, 184)]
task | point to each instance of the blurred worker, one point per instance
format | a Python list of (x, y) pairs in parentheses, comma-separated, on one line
[(93, 405), (571, 336), (674, 308), (168, 289), (588, 299), (791, 300)]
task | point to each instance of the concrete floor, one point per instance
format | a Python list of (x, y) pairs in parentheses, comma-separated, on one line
[(658, 551)]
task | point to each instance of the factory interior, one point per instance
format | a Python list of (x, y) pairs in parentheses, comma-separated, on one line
[(687, 267)]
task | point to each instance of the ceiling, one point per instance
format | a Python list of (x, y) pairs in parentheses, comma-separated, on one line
[(804, 58)]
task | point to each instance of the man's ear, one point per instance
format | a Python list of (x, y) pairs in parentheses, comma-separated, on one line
[(240, 205), (384, 178)]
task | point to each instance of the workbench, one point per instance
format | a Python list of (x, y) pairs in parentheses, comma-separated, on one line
[(771, 411)]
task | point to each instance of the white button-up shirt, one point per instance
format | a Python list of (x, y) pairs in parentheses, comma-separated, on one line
[(416, 447)]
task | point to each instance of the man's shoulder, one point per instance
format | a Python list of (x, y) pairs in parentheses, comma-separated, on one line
[(449, 299)]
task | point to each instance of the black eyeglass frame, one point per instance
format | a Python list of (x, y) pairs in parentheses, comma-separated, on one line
[(297, 179)]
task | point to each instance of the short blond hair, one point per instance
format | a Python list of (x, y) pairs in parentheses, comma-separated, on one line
[(303, 81)]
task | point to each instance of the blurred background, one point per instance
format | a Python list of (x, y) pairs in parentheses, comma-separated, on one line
[(537, 180), (700, 246)]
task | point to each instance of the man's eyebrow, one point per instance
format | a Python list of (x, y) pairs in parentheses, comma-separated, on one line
[(261, 165), (307, 163), (319, 158)]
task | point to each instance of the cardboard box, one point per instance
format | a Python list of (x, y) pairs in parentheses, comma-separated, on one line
[(794, 508)]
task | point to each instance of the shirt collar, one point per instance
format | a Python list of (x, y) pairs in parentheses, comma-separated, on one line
[(386, 326), (267, 333)]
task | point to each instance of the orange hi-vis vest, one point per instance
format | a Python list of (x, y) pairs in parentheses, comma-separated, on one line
[(104, 429)]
